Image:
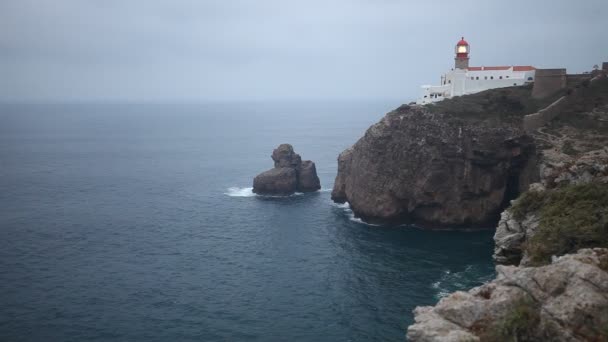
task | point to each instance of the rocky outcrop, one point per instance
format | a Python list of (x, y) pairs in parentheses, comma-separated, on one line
[(564, 301), (572, 151), (434, 169), (289, 175), (512, 232)]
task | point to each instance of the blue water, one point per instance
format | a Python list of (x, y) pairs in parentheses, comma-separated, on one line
[(136, 223)]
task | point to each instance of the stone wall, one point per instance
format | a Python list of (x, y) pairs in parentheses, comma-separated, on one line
[(548, 81), (535, 121)]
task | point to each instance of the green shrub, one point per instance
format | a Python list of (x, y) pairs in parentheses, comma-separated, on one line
[(572, 217), (568, 148), (527, 202), (519, 324)]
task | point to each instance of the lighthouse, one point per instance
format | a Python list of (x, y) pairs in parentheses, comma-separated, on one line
[(462, 54), (465, 79)]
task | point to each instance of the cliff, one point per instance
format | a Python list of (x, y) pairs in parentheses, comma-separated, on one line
[(554, 236), (572, 188), (449, 165)]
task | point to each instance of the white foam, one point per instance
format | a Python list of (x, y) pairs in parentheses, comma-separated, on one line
[(351, 216), (248, 192), (240, 192), (450, 282)]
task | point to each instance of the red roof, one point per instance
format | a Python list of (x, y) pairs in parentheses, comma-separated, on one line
[(515, 68), (462, 42)]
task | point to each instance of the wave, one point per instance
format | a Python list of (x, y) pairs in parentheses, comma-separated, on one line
[(458, 281), (240, 192), (248, 192), (351, 215)]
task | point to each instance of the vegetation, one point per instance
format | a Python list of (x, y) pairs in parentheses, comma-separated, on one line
[(568, 148), (519, 325), (503, 104), (572, 217)]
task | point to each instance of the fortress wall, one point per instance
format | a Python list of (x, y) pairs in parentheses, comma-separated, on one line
[(539, 119), (548, 82), (574, 79)]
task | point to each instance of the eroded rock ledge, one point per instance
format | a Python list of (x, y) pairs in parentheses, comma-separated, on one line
[(564, 301)]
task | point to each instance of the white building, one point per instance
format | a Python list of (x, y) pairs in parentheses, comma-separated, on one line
[(464, 80)]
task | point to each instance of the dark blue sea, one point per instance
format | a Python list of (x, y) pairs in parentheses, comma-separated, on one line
[(136, 222)]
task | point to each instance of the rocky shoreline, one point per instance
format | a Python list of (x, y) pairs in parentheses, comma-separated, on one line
[(554, 285), (471, 161)]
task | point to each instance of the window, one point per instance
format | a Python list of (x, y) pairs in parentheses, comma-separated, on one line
[(477, 77), (529, 78), (491, 77), (514, 84), (472, 78), (507, 76), (425, 96), (500, 77), (486, 77), (450, 81), (439, 95)]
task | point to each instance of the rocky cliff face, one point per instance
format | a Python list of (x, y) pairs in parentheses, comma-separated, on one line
[(434, 169), (573, 150), (563, 301), (290, 174)]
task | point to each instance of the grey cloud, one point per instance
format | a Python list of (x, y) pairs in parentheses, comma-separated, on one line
[(275, 49)]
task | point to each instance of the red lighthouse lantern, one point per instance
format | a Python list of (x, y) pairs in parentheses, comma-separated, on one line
[(462, 54)]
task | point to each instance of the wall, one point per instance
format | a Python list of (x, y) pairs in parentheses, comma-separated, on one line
[(605, 66), (548, 81), (537, 120)]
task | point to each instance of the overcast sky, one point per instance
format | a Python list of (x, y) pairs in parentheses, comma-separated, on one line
[(225, 50)]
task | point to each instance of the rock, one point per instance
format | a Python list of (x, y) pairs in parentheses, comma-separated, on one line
[(435, 170), (564, 301), (279, 181), (290, 174), (308, 180), (284, 156), (511, 234)]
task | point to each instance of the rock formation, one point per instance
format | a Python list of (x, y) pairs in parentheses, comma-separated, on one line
[(289, 175), (572, 151), (552, 231), (564, 301), (434, 169)]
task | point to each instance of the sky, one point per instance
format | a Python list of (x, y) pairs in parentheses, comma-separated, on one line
[(265, 50)]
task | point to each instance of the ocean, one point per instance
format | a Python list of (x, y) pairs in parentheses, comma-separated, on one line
[(136, 222)]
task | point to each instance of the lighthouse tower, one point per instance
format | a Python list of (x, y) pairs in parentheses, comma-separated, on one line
[(462, 54)]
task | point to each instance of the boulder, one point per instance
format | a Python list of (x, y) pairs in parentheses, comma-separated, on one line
[(308, 180), (279, 181), (289, 175), (563, 301)]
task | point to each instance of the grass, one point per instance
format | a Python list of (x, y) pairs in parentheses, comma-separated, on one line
[(519, 324), (503, 104), (571, 217)]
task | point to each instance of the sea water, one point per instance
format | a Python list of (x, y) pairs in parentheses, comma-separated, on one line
[(136, 222)]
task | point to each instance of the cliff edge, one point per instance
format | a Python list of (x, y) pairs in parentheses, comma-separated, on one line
[(454, 164)]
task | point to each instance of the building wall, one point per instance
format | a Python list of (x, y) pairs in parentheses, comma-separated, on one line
[(460, 82), (548, 82), (605, 66)]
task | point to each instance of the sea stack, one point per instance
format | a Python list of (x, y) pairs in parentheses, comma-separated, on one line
[(289, 175)]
